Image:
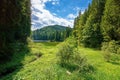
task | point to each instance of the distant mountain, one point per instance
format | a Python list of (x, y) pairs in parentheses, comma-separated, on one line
[(52, 32), (53, 28)]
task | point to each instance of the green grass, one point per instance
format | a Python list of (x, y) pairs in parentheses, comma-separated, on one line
[(104, 70), (45, 67)]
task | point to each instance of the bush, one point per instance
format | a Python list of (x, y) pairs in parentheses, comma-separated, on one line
[(111, 47), (65, 53), (112, 58), (111, 51), (71, 59)]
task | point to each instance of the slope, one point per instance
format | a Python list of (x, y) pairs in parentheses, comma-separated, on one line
[(53, 33)]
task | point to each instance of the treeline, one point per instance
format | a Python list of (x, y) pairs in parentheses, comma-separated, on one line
[(15, 25), (99, 25), (52, 33)]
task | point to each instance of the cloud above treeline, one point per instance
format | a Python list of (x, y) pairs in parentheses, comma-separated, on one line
[(42, 17)]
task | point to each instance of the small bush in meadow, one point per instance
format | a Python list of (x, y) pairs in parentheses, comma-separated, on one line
[(112, 58), (65, 53), (111, 51), (70, 58), (111, 47)]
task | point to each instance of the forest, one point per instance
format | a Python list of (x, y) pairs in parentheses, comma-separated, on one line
[(88, 51), (15, 24), (99, 26), (52, 33)]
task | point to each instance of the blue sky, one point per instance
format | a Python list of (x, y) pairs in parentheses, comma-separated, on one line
[(52, 12)]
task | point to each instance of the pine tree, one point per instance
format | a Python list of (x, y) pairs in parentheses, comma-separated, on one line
[(92, 36), (111, 20), (79, 24)]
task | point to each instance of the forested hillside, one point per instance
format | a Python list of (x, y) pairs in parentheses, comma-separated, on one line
[(99, 26), (52, 33), (15, 26)]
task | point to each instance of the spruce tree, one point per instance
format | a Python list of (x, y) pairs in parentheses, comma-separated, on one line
[(111, 21), (92, 36)]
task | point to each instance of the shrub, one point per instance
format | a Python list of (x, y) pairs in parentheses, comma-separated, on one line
[(112, 58), (65, 53), (111, 51), (70, 58), (111, 47), (115, 59)]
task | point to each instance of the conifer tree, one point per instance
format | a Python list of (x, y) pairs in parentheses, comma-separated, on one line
[(92, 36), (111, 21)]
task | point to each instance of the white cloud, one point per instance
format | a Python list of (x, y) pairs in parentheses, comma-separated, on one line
[(71, 16), (82, 9), (54, 2), (82, 12), (54, 14), (44, 17)]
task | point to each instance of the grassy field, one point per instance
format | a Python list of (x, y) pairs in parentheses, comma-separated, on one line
[(104, 70), (41, 64)]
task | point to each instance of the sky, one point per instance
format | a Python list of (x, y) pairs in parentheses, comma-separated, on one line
[(56, 12)]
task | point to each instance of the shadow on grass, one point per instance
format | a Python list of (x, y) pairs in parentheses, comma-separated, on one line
[(85, 72), (114, 62), (11, 66), (50, 43), (69, 67)]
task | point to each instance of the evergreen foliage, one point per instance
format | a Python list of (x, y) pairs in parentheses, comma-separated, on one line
[(100, 24), (14, 25), (110, 27), (111, 21), (88, 24)]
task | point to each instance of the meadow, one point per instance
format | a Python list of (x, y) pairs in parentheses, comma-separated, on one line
[(41, 63)]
